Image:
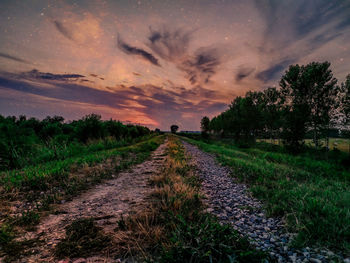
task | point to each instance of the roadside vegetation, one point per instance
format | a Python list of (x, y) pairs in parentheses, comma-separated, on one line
[(312, 194), (308, 105), (301, 174), (26, 193), (29, 141), (174, 227)]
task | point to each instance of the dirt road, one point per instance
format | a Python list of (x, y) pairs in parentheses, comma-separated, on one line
[(105, 203)]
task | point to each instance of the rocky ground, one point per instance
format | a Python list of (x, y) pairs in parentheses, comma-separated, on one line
[(232, 203), (106, 203)]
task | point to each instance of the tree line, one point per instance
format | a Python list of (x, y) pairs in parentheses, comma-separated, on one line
[(23, 140), (309, 102)]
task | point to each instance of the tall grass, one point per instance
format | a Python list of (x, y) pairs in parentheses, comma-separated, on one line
[(313, 195)]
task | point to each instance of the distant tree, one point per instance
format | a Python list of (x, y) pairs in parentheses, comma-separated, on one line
[(244, 119), (174, 128), (271, 110), (54, 119), (296, 110), (323, 93), (345, 100), (309, 94), (115, 129), (205, 123), (90, 127), (345, 107), (157, 130)]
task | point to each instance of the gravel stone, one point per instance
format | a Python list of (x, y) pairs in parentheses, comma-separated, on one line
[(233, 203)]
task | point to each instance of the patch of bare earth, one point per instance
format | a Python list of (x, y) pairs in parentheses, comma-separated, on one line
[(106, 203)]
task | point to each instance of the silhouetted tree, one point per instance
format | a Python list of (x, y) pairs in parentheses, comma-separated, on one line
[(345, 107), (90, 127), (310, 94), (174, 128), (271, 110), (205, 122)]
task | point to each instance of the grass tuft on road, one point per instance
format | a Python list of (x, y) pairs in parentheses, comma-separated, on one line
[(174, 227), (83, 239)]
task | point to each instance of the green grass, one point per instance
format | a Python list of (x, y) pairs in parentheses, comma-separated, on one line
[(334, 143), (40, 177), (50, 182), (313, 195)]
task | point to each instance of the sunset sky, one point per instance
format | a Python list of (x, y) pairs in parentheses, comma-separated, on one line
[(161, 62)]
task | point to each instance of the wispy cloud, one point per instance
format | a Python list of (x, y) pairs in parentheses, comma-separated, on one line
[(170, 45), (50, 76), (13, 58), (130, 50), (173, 46), (65, 31), (202, 66), (243, 72), (273, 71)]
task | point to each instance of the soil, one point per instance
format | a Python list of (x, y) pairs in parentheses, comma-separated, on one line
[(106, 203)]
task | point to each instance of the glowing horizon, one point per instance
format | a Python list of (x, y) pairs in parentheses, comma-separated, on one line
[(158, 63)]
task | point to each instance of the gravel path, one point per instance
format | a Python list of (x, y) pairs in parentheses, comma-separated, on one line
[(105, 202), (232, 203)]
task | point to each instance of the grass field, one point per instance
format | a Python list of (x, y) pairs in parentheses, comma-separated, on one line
[(334, 143), (312, 194), (35, 188)]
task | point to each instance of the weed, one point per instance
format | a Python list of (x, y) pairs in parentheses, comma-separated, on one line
[(29, 218), (83, 238), (11, 248), (205, 240)]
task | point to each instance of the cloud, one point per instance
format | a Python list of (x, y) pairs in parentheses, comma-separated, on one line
[(170, 45), (149, 102), (50, 76), (10, 57), (202, 66), (65, 31), (243, 72), (84, 29), (130, 50), (273, 71)]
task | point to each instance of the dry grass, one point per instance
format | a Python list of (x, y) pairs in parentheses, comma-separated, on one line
[(173, 227), (146, 232)]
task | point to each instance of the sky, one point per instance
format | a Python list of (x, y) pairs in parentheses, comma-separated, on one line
[(158, 63)]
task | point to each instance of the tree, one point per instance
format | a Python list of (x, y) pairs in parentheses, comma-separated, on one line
[(345, 107), (296, 110), (322, 98), (309, 94), (90, 127), (115, 129), (205, 122), (174, 128), (271, 111)]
